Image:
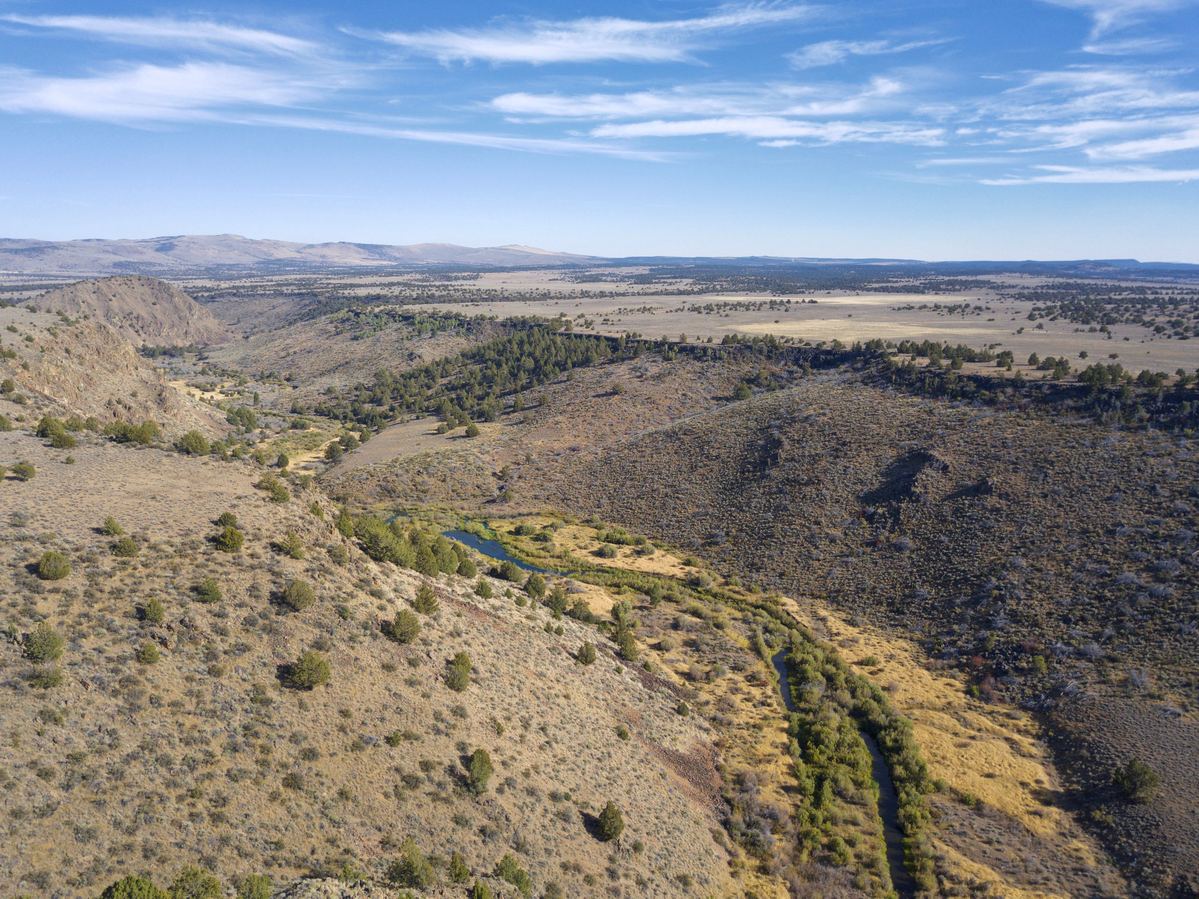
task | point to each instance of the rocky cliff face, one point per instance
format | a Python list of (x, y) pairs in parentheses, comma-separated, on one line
[(86, 368)]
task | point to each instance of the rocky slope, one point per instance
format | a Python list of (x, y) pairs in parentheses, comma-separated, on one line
[(194, 751), (1050, 562), (83, 367), (145, 311)]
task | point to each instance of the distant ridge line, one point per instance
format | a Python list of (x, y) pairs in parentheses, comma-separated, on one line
[(182, 254)]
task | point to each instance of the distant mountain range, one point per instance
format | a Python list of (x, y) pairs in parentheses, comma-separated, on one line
[(230, 253), (197, 253)]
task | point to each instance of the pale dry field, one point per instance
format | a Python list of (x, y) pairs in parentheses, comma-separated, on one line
[(850, 317)]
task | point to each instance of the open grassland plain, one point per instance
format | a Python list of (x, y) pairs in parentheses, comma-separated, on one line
[(975, 319)]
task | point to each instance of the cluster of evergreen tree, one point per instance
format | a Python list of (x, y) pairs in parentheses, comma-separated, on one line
[(1106, 393), (410, 546), (471, 384)]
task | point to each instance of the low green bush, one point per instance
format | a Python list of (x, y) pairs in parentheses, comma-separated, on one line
[(255, 886), (193, 443), (479, 771), (153, 611), (43, 643), (274, 488), (298, 595), (207, 591), (310, 670), (611, 822), (229, 539), (411, 869), (509, 869), (53, 566), (148, 653), (425, 600), (404, 628), (291, 545), (125, 548), (458, 670), (134, 887), (196, 883), (1136, 780)]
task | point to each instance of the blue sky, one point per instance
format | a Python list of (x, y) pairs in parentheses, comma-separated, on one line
[(930, 129)]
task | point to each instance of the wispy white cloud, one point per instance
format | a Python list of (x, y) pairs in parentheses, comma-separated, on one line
[(1173, 142), (1130, 46), (169, 32), (1111, 15), (964, 161), (780, 99), (548, 146), (827, 53), (774, 129), (1064, 174), (592, 39), (152, 93)]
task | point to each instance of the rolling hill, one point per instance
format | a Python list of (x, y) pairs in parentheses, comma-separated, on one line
[(192, 253)]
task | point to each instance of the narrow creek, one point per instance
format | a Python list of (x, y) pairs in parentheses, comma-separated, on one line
[(888, 798)]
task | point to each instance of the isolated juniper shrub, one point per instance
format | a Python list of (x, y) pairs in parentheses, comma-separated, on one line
[(404, 628), (483, 589), (124, 547), (193, 443), (457, 672), (196, 883), (255, 886), (298, 595), (134, 887), (508, 571), (479, 771), (535, 586), (44, 677), (509, 869), (43, 643), (207, 591), (309, 671), (152, 611), (229, 539), (291, 545), (425, 600), (55, 433), (148, 653), (458, 870), (611, 822), (226, 520), (24, 471), (111, 527), (274, 488), (586, 653), (411, 869), (481, 891), (467, 567), (53, 566), (1137, 780)]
